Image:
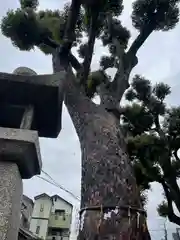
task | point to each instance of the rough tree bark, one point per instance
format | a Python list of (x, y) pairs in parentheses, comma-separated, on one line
[(107, 177)]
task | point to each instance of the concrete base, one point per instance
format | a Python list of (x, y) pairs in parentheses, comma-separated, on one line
[(10, 200), (21, 146)]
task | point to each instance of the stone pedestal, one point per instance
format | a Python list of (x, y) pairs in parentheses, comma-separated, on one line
[(30, 105), (10, 200), (21, 146), (19, 159)]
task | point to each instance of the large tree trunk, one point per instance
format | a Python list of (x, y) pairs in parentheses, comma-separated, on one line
[(107, 182)]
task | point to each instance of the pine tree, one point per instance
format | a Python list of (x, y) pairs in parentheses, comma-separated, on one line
[(108, 182), (153, 136)]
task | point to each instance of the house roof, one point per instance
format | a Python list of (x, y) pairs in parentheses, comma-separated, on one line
[(27, 234), (28, 199), (42, 196), (51, 197), (61, 199)]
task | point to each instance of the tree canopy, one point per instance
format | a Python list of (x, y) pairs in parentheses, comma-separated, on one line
[(28, 27), (153, 136)]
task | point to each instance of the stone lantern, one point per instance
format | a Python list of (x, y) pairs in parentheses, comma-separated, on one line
[(30, 107)]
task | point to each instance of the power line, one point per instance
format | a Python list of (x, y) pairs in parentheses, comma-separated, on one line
[(59, 186), (53, 182)]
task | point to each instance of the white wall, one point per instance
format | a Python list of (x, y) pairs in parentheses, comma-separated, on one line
[(40, 218), (60, 204), (43, 223), (46, 203)]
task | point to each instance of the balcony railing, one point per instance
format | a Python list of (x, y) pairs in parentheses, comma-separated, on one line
[(58, 221)]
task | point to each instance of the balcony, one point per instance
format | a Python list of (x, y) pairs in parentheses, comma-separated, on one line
[(60, 221)]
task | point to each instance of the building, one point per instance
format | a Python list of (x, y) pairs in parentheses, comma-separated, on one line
[(26, 235), (51, 217), (26, 212), (176, 236)]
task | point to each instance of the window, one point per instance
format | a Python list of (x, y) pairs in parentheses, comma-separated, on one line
[(37, 229), (60, 212), (42, 208), (65, 233)]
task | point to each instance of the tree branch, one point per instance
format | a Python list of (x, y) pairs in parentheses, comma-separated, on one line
[(117, 112), (69, 35), (128, 60), (90, 47), (176, 155), (73, 60), (171, 215), (141, 38)]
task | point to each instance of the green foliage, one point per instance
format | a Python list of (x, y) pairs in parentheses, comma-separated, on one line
[(153, 136), (26, 26), (94, 80), (107, 62), (33, 4), (138, 118), (172, 122), (22, 28), (82, 50), (163, 14), (115, 6), (116, 31), (103, 7), (161, 90), (163, 209)]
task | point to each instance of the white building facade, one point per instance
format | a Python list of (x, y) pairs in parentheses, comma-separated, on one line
[(51, 218)]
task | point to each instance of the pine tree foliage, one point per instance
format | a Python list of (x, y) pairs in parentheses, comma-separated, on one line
[(163, 14), (153, 136), (28, 27)]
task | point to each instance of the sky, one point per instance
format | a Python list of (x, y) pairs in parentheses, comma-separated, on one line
[(158, 61)]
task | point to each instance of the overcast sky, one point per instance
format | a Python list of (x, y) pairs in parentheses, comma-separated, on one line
[(158, 60)]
